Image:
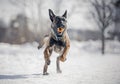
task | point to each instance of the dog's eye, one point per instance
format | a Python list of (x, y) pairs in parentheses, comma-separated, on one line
[(63, 19)]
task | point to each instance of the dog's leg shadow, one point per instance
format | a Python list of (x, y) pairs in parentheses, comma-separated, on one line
[(21, 76)]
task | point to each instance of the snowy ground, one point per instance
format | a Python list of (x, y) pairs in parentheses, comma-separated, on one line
[(22, 64)]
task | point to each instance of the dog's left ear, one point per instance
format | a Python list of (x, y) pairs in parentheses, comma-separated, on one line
[(51, 14), (65, 14)]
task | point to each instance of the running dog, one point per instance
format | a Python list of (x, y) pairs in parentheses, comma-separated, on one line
[(58, 41)]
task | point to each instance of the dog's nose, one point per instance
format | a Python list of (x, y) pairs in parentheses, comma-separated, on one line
[(60, 30)]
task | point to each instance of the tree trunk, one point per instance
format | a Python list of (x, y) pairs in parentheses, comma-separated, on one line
[(103, 42)]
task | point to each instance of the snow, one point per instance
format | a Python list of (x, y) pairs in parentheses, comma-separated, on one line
[(23, 64)]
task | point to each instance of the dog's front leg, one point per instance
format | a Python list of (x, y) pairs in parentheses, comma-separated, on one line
[(66, 49), (63, 56), (47, 54)]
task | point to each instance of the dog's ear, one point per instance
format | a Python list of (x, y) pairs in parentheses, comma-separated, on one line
[(65, 14), (51, 14)]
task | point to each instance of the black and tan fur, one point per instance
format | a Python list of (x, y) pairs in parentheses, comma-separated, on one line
[(57, 41)]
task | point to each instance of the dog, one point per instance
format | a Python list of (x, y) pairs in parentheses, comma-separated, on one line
[(58, 41)]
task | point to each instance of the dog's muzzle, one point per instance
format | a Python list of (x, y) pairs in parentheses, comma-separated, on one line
[(58, 33), (60, 30)]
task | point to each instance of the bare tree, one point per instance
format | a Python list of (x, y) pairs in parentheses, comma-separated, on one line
[(102, 15), (117, 19)]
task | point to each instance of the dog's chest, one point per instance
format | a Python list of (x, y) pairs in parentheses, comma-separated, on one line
[(57, 45)]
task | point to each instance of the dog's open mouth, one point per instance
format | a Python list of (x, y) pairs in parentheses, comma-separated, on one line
[(60, 30), (58, 33)]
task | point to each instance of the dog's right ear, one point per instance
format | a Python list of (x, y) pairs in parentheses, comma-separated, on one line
[(51, 14)]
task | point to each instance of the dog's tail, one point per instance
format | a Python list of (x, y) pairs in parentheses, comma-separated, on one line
[(43, 41)]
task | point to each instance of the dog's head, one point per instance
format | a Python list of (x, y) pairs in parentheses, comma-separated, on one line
[(58, 24)]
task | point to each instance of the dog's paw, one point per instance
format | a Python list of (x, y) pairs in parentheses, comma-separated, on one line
[(62, 59), (45, 73), (39, 47), (59, 71), (48, 62)]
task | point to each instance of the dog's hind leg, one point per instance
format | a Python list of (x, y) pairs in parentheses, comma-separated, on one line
[(47, 54)]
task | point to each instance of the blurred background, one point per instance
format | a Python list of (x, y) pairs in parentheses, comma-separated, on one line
[(24, 21), (94, 31)]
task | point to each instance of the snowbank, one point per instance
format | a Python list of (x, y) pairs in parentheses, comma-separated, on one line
[(23, 64)]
